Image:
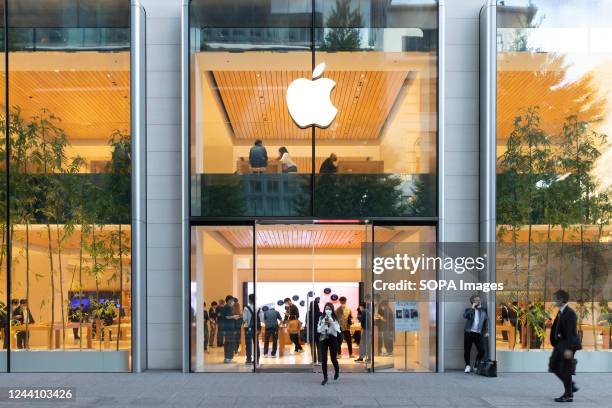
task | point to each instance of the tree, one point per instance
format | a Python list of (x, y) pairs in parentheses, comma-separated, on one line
[(343, 31)]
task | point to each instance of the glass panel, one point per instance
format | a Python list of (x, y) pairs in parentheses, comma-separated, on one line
[(285, 293), (71, 187), (221, 282), (243, 57), (554, 62), (338, 279), (5, 312), (398, 346), (378, 156)]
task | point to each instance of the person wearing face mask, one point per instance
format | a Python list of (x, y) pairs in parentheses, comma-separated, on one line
[(329, 330), (565, 341), (227, 323)]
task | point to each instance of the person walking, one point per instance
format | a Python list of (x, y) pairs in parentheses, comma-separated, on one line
[(328, 328), (476, 322), (565, 341)]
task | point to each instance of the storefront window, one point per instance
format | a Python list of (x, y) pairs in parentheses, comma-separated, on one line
[(553, 170), (261, 147), (70, 185), (377, 158)]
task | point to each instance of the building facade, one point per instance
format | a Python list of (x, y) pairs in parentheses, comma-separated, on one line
[(155, 163)]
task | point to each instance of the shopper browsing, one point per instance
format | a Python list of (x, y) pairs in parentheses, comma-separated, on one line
[(329, 330)]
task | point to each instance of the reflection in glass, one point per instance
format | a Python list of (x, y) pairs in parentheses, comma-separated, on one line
[(553, 167), (396, 348), (70, 175), (221, 268), (377, 158)]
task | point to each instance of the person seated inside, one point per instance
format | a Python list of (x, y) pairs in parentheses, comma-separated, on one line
[(287, 162), (258, 156), (293, 328), (329, 165)]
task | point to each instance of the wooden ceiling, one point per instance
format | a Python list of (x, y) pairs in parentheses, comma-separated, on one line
[(256, 106), (295, 238), (90, 104)]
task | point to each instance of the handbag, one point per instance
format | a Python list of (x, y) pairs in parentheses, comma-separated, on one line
[(487, 368)]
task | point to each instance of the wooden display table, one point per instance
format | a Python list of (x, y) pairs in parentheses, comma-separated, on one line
[(53, 334), (88, 331)]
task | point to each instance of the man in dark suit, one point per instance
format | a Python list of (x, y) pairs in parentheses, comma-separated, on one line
[(22, 315), (564, 338)]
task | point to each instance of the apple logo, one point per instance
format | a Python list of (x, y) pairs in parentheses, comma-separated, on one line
[(309, 100)]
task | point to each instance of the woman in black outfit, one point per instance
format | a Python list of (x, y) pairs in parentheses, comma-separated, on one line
[(314, 313), (329, 329)]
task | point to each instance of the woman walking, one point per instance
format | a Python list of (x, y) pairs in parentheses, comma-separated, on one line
[(329, 329)]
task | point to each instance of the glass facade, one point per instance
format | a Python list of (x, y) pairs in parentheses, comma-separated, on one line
[(282, 186), (67, 218), (554, 62), (309, 264), (249, 156)]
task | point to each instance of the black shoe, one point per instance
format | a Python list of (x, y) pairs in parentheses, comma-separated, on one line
[(324, 381), (358, 360), (565, 398), (575, 387), (336, 375)]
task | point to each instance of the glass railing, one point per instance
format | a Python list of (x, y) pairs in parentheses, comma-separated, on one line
[(68, 39), (335, 195)]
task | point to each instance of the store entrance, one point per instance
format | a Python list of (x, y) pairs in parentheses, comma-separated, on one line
[(285, 273), (299, 269)]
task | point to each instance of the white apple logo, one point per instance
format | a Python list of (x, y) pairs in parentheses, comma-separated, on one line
[(309, 100)]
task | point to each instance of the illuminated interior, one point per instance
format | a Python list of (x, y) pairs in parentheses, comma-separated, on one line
[(301, 262)]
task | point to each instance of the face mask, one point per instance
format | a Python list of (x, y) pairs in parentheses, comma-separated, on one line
[(328, 312), (230, 303)]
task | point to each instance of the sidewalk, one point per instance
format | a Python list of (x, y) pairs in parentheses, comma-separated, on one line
[(174, 389)]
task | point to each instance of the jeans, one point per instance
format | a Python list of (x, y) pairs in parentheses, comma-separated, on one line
[(346, 336), (363, 343), (470, 338), (213, 333), (295, 339), (331, 344), (21, 339), (273, 333), (249, 339), (229, 346), (385, 337)]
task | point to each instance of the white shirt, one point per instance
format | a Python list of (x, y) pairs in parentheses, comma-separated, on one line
[(330, 330), (476, 322), (286, 159)]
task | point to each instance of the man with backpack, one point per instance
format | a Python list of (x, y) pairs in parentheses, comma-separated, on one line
[(251, 321)]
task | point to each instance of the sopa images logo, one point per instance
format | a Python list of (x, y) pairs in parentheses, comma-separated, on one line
[(309, 101)]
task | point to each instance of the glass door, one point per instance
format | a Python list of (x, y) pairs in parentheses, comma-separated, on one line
[(284, 292), (339, 280), (404, 321)]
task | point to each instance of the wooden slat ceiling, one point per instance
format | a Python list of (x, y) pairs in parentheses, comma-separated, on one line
[(256, 106), (91, 104), (291, 238)]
